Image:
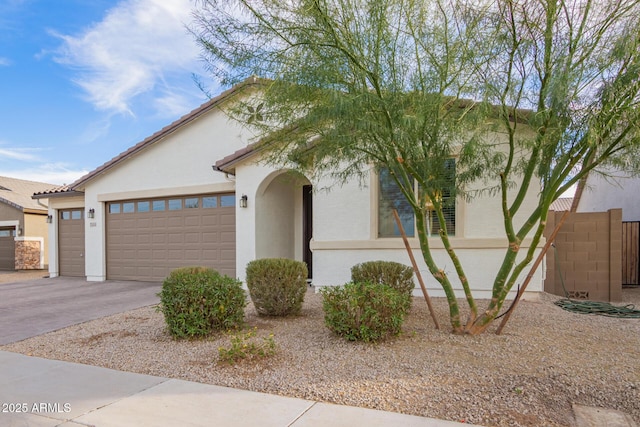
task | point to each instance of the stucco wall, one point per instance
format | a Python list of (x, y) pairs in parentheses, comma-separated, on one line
[(36, 226), (9, 213), (602, 194), (276, 221)]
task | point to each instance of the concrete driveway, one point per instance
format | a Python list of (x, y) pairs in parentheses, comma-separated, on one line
[(33, 307)]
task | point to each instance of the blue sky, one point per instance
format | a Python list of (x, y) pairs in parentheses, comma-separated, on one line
[(83, 80)]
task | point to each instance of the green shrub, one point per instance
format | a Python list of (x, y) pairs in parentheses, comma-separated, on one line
[(277, 285), (196, 301), (364, 311), (394, 274), (244, 346)]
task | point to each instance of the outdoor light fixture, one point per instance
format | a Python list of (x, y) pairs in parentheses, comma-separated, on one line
[(49, 219), (243, 201), (91, 213)]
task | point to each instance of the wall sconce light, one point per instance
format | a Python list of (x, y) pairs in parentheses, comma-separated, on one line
[(49, 219), (19, 231), (243, 201), (91, 214)]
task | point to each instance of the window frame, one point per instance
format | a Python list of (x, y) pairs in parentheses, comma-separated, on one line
[(375, 211)]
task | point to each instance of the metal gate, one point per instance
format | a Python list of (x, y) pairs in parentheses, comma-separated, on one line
[(631, 253)]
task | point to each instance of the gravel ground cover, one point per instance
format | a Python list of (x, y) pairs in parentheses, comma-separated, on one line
[(545, 360)]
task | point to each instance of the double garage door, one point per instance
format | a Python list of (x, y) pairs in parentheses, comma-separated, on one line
[(147, 238)]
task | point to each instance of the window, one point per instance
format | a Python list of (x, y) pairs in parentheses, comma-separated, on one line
[(210, 202), (175, 204), (114, 208), (128, 207), (7, 233), (158, 205), (143, 206), (191, 203), (390, 197), (229, 200)]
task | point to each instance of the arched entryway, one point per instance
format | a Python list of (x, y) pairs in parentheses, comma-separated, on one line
[(284, 217)]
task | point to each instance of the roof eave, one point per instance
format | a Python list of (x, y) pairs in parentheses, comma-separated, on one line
[(70, 193)]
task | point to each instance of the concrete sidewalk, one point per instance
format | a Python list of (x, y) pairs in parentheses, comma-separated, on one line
[(39, 392)]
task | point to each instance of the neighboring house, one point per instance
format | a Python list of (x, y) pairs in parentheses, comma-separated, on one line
[(23, 225), (601, 194), (196, 193), (561, 204)]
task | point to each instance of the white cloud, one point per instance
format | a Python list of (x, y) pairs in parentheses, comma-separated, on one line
[(53, 173), (20, 154), (5, 62), (134, 50)]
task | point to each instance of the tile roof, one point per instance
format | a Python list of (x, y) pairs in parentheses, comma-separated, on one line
[(62, 190), (228, 163), (561, 204), (18, 192)]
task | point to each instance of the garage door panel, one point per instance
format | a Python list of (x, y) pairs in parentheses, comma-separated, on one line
[(228, 219), (143, 239), (158, 222), (192, 238), (228, 255), (192, 221), (143, 223), (228, 236), (159, 238), (175, 221), (212, 219), (175, 238)]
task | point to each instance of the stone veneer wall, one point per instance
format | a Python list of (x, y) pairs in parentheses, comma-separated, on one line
[(28, 255)]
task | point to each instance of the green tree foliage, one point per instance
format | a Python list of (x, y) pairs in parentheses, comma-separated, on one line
[(406, 84)]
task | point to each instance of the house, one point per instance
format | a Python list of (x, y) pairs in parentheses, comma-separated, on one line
[(23, 226), (196, 192), (602, 193)]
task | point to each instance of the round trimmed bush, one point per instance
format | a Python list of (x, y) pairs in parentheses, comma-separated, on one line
[(277, 285), (196, 301), (364, 311), (394, 274)]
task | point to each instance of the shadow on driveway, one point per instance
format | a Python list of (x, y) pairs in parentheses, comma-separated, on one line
[(33, 307)]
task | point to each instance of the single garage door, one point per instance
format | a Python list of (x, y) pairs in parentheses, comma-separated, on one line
[(71, 242), (7, 248), (147, 238)]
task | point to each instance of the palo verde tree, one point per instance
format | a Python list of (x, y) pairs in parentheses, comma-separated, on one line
[(527, 95)]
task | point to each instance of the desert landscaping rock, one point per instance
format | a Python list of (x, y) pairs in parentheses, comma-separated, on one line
[(546, 360)]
